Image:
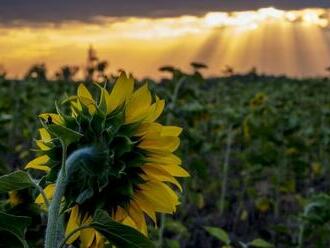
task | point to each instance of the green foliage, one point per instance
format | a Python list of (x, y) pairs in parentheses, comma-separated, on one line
[(278, 162), (119, 234), (15, 181), (219, 233), (260, 243), (15, 225)]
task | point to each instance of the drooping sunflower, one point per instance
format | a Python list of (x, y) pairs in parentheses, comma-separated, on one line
[(135, 170)]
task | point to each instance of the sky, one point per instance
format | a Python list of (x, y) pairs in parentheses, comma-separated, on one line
[(291, 38)]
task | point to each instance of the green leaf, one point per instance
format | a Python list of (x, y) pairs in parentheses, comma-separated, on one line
[(218, 233), (15, 181), (67, 135), (119, 234), (260, 243), (15, 225)]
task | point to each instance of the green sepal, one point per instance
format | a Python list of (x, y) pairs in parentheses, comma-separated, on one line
[(66, 135), (85, 195), (123, 144)]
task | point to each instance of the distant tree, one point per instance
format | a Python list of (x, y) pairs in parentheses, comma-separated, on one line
[(37, 71), (91, 63), (198, 66), (3, 72), (328, 69), (101, 67), (67, 73), (228, 71)]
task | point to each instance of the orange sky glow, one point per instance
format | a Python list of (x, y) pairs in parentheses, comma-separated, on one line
[(295, 43)]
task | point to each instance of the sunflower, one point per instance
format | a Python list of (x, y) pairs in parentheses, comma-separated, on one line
[(135, 169), (259, 100)]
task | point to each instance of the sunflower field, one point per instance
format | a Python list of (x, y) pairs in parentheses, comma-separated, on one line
[(185, 161)]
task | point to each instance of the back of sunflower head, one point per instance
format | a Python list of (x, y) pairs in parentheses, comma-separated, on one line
[(107, 156)]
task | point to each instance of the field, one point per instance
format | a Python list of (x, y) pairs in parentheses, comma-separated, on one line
[(257, 149)]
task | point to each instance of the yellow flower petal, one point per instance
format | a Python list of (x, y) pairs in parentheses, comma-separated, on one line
[(138, 107), (39, 163), (145, 206), (86, 98), (14, 198), (120, 214), (162, 198), (121, 91), (157, 173), (166, 144), (129, 222), (137, 216), (49, 192), (73, 223), (55, 118), (167, 158), (45, 136), (87, 237), (99, 240), (170, 131), (172, 169), (155, 110), (42, 145), (148, 129)]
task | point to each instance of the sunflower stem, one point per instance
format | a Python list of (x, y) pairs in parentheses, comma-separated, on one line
[(54, 210), (53, 222), (225, 170)]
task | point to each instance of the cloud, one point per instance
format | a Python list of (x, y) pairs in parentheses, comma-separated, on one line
[(13, 11)]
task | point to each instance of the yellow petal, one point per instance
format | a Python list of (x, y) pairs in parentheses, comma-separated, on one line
[(86, 98), (73, 223), (162, 143), (167, 158), (42, 145), (172, 169), (157, 173), (145, 206), (155, 110), (120, 214), (87, 237), (99, 241), (56, 119), (138, 106), (49, 192), (170, 131), (45, 136), (39, 163), (105, 101), (121, 91), (162, 198), (152, 128), (129, 222), (137, 216)]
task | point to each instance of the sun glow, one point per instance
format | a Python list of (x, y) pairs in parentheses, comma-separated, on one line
[(144, 44)]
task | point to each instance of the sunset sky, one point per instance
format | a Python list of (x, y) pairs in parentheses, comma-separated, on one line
[(292, 37)]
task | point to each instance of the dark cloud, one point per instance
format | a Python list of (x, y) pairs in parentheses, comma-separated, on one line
[(84, 10)]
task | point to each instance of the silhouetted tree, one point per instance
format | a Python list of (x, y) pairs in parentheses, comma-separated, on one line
[(91, 63), (228, 71), (37, 71), (3, 72), (101, 68), (67, 73)]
